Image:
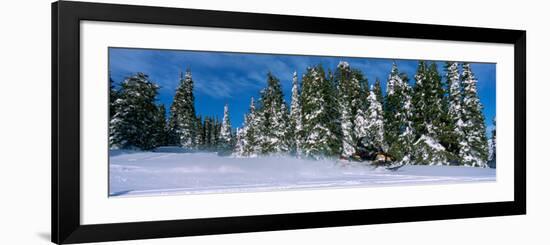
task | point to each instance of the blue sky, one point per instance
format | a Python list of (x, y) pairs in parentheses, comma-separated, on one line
[(232, 78)]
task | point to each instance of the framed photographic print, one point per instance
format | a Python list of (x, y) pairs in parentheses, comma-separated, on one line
[(177, 122)]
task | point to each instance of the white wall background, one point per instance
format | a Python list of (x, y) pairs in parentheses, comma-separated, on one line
[(25, 121)]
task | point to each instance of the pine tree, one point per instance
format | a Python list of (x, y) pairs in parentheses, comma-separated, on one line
[(445, 126), (420, 103), (133, 125), (239, 141), (453, 132), (173, 125), (375, 121), (347, 132), (343, 78), (283, 131), (318, 104), (296, 127), (429, 116), (218, 133), (349, 100), (398, 126), (225, 137), (406, 138), (182, 112), (428, 99), (393, 109), (250, 132), (160, 133), (199, 129), (438, 108), (493, 146), (215, 134), (330, 90), (172, 130), (245, 138), (360, 120), (377, 89), (113, 96), (207, 125), (273, 117), (473, 151)]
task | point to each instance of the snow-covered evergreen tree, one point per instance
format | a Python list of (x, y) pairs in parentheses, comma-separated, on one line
[(399, 133), (493, 146), (133, 125), (454, 132), (160, 128), (207, 128), (343, 78), (428, 116), (377, 89), (348, 139), (360, 122), (172, 129), (296, 129), (283, 129), (239, 142), (420, 102), (273, 118), (245, 139), (173, 125), (360, 119), (427, 99), (375, 121), (331, 90), (113, 96), (225, 137), (393, 108), (473, 151), (199, 129), (182, 112), (251, 132), (349, 100), (319, 107), (215, 134)]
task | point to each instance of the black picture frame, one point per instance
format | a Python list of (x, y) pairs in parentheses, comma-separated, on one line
[(65, 167)]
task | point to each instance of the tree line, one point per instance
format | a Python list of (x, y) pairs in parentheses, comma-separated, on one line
[(137, 122), (438, 120)]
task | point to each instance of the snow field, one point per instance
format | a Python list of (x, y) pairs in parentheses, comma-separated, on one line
[(166, 173)]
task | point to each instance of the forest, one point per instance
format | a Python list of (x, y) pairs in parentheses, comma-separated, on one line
[(431, 119)]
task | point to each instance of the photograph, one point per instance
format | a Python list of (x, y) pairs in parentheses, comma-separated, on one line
[(202, 122), (171, 120)]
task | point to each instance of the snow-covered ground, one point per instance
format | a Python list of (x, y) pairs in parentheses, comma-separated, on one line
[(167, 173)]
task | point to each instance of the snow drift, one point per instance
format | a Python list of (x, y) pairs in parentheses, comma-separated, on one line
[(169, 173)]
